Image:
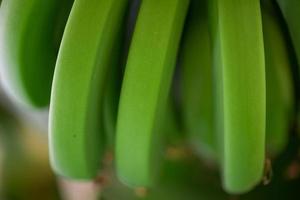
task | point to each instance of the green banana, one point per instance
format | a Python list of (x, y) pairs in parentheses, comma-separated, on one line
[(145, 87), (278, 79), (29, 47), (238, 54), (197, 87), (291, 12), (85, 56), (114, 81)]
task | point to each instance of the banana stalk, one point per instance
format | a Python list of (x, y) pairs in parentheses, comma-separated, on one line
[(85, 57), (238, 52), (29, 48), (145, 89)]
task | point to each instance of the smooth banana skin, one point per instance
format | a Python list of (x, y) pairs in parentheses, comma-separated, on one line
[(197, 83), (29, 48), (84, 61), (145, 89), (291, 12), (280, 97), (239, 63)]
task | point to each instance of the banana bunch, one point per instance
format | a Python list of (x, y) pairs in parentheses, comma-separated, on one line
[(105, 69)]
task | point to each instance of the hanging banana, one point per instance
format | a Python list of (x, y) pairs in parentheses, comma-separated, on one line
[(197, 88), (85, 56), (278, 81), (240, 81), (145, 87)]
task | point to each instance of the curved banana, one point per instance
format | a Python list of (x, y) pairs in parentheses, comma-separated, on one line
[(197, 87), (279, 81), (29, 47), (144, 93), (85, 56), (238, 54), (291, 13)]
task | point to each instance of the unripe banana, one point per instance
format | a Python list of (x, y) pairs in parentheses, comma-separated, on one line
[(291, 13), (85, 56), (238, 54), (29, 47), (144, 93), (197, 87), (279, 81)]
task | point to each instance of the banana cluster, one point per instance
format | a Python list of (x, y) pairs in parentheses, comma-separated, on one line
[(106, 70)]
